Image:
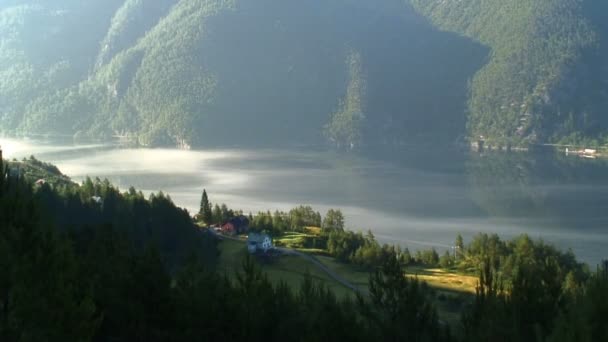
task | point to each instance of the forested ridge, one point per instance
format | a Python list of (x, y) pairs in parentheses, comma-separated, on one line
[(196, 72)]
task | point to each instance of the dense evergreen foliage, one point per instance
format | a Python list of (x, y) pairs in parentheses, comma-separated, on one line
[(76, 209)]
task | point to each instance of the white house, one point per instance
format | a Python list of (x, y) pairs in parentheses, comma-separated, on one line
[(258, 243)]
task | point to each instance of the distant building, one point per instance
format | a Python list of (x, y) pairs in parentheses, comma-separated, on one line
[(40, 182), (237, 225), (258, 243)]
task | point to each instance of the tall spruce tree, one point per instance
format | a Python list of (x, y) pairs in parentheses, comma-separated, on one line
[(205, 211)]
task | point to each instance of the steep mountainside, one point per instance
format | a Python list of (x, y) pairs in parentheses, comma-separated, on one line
[(547, 75), (199, 72), (194, 72)]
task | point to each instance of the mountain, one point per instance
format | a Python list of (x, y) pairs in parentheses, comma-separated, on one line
[(546, 79), (199, 72)]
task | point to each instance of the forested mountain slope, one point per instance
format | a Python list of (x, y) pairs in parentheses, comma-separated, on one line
[(547, 74), (200, 72), (196, 72)]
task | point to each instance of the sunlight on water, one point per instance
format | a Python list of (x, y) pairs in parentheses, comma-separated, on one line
[(410, 204), (128, 161), (23, 148)]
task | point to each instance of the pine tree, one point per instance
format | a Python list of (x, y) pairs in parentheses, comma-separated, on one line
[(205, 211)]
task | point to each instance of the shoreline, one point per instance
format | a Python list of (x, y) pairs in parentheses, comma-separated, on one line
[(581, 151)]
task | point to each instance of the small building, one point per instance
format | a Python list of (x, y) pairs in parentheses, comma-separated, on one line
[(40, 182), (236, 225), (257, 242)]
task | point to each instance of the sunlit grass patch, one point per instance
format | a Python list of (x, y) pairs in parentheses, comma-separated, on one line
[(444, 280), (313, 230)]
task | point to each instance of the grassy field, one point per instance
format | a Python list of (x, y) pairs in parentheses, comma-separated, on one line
[(296, 239), (452, 288), (290, 269), (438, 279), (445, 280)]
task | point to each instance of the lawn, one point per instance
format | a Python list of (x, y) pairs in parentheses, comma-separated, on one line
[(290, 269), (293, 239), (453, 289), (439, 279)]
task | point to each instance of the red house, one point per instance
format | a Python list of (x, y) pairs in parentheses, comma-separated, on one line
[(237, 225), (228, 228)]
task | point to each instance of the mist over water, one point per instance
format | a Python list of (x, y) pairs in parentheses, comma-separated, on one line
[(415, 198)]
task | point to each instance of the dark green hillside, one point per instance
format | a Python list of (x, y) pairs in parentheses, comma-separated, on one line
[(34, 170), (416, 92), (290, 67)]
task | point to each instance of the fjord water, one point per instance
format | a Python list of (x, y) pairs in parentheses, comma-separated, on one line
[(416, 197)]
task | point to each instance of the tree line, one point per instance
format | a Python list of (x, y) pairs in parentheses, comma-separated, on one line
[(87, 279), (277, 223)]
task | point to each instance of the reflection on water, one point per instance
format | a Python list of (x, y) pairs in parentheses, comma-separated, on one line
[(413, 197)]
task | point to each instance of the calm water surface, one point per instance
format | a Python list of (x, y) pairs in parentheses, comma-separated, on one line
[(416, 198)]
